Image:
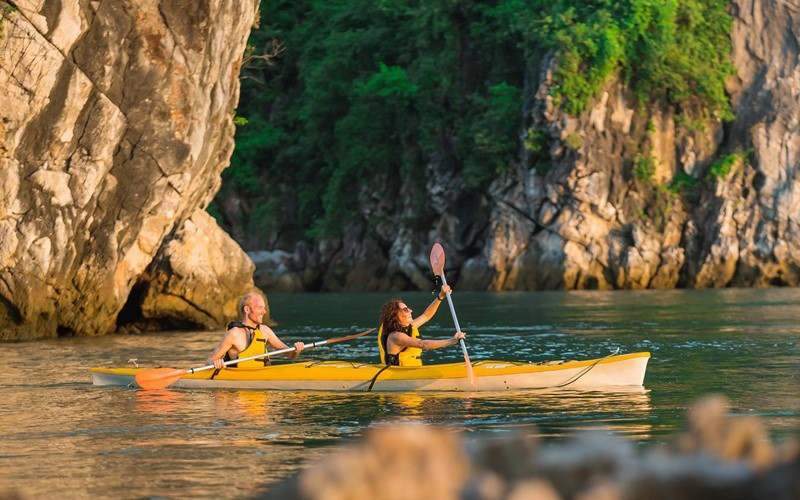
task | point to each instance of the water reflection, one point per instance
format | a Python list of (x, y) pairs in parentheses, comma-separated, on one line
[(158, 402), (61, 434), (326, 416)]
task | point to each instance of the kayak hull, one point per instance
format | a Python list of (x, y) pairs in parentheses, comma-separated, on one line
[(611, 371)]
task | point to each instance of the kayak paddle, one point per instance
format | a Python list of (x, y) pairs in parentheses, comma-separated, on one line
[(437, 265), (161, 378)]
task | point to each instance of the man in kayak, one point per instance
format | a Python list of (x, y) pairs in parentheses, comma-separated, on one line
[(249, 336), (398, 333)]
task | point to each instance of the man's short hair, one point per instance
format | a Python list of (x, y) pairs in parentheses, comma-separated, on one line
[(245, 300)]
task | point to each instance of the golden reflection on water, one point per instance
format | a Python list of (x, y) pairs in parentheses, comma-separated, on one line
[(246, 405), (410, 402), (158, 402)]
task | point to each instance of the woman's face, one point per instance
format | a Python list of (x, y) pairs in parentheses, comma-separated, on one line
[(404, 314)]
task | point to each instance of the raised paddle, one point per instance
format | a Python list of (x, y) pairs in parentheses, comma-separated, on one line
[(161, 378), (437, 265)]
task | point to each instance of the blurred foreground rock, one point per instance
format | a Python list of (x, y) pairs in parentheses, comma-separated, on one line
[(717, 457)]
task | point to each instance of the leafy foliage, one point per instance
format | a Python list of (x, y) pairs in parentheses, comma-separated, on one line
[(673, 50), (682, 183), (644, 168), (364, 93), (723, 166)]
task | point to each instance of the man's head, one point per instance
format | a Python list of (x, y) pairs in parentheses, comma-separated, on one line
[(252, 308)]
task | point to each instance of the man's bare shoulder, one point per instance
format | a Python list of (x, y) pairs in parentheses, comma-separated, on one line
[(234, 333)]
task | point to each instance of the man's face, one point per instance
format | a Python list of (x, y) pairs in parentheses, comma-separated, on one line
[(256, 309)]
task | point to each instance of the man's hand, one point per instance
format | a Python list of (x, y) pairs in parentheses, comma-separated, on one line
[(298, 347), (217, 363), (445, 290), (459, 335)]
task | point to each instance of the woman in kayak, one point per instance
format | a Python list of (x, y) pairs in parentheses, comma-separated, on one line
[(398, 333)]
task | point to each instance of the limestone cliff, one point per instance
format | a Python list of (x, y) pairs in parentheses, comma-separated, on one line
[(115, 123), (632, 198), (591, 223)]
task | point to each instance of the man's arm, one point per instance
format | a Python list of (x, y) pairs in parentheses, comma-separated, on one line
[(224, 346), (277, 343)]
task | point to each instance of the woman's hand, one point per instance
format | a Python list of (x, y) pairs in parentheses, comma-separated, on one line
[(445, 290), (217, 363), (459, 336)]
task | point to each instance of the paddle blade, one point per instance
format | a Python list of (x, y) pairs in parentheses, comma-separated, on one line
[(437, 259), (157, 378)]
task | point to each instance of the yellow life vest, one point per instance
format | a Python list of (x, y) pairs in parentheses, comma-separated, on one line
[(257, 345), (410, 356)]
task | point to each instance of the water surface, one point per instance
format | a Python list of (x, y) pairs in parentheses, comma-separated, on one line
[(60, 434)]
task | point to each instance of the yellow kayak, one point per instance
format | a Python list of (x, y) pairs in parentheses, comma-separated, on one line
[(614, 370)]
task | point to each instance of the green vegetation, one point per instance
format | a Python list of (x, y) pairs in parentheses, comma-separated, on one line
[(574, 141), (660, 197), (722, 166), (673, 50), (535, 141), (661, 205), (682, 183), (692, 123), (644, 168), (362, 94)]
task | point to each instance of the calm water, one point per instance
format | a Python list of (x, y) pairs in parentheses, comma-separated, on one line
[(60, 434)]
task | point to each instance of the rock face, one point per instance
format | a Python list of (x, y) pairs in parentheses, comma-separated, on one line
[(589, 221), (592, 224), (115, 123), (195, 280)]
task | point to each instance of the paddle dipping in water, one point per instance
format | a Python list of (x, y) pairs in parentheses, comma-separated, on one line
[(437, 265)]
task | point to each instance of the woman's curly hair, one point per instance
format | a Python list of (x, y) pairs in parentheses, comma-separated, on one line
[(389, 320)]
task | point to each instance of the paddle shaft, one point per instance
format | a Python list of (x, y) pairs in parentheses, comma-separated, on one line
[(281, 351), (455, 319)]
